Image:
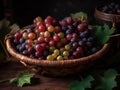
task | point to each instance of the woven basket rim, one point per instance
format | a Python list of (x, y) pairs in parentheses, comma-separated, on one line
[(61, 63)]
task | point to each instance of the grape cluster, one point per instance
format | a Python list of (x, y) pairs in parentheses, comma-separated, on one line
[(50, 39), (111, 8)]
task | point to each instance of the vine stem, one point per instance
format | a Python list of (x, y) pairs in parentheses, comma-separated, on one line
[(116, 35), (5, 80)]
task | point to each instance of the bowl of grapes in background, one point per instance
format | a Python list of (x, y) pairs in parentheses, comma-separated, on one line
[(54, 47), (108, 13)]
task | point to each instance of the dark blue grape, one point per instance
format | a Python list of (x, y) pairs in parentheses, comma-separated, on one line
[(82, 35), (90, 39), (64, 28), (22, 40), (94, 49), (68, 31), (45, 53), (81, 43), (21, 48), (18, 46), (25, 52), (89, 44), (105, 9), (16, 42), (84, 39), (75, 44)]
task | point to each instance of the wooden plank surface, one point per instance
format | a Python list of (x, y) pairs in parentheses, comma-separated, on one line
[(12, 69)]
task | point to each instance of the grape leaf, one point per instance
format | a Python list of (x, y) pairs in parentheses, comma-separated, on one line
[(103, 33), (23, 78), (85, 83), (108, 81), (79, 15), (14, 28)]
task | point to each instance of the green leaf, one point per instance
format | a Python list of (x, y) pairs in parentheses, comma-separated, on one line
[(108, 81), (103, 33), (85, 83), (6, 27), (14, 28), (79, 15), (23, 78)]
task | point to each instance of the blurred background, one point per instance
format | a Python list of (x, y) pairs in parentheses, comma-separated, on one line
[(24, 11)]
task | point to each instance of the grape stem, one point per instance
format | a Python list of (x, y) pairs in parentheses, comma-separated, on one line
[(5, 80)]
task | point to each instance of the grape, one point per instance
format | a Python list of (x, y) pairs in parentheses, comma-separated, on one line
[(69, 20), (25, 35), (57, 29), (80, 50), (69, 37), (51, 48), (31, 35), (25, 52), (94, 49), (40, 39), (48, 20), (65, 53), (38, 47), (16, 42), (59, 57), (61, 34), (90, 39), (67, 47), (38, 54), (81, 27), (17, 35), (50, 57), (41, 28), (81, 43), (47, 39), (89, 44), (30, 42), (63, 23), (68, 31), (50, 28), (45, 53), (52, 43), (47, 34), (56, 51), (75, 44), (56, 38), (31, 50)]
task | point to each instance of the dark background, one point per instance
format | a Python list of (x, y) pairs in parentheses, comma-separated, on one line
[(24, 11)]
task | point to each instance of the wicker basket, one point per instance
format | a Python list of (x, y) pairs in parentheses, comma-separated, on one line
[(102, 17), (56, 68)]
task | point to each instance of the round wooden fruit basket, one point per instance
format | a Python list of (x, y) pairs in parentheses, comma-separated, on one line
[(56, 68)]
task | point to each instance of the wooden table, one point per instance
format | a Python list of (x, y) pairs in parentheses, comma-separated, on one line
[(12, 69)]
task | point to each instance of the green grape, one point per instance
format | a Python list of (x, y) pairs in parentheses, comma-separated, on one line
[(51, 48), (67, 47), (65, 53), (50, 57), (61, 34), (56, 51), (59, 57)]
